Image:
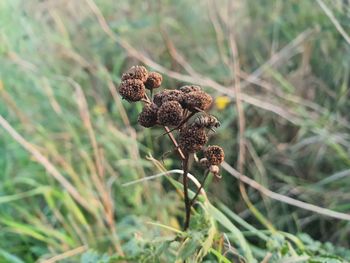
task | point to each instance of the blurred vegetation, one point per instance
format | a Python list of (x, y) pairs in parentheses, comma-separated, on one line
[(59, 71)]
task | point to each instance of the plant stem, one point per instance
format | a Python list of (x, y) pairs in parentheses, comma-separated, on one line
[(186, 198), (171, 136), (200, 188)]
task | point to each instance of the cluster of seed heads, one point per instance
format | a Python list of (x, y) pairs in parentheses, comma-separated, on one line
[(175, 108)]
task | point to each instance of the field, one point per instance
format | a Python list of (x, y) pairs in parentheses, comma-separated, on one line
[(76, 168)]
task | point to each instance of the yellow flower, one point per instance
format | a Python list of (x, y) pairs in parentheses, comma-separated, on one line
[(99, 110), (221, 102)]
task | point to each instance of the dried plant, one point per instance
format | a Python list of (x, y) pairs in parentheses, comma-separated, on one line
[(185, 110)]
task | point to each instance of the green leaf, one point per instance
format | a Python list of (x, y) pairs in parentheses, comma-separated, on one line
[(220, 257), (241, 241), (6, 257)]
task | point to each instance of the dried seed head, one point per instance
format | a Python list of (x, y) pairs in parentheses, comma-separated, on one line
[(190, 88), (136, 72), (148, 115), (173, 95), (154, 80), (170, 113), (132, 89), (168, 95), (197, 100), (215, 154), (192, 139), (158, 98)]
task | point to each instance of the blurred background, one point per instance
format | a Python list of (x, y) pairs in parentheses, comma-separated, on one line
[(279, 73)]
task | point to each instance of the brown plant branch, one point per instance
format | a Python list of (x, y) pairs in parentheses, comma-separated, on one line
[(186, 197), (172, 138), (282, 198), (200, 188)]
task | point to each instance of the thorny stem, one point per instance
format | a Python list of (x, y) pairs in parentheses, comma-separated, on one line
[(200, 188), (186, 198)]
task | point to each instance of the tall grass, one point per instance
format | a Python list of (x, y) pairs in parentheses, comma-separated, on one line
[(59, 71)]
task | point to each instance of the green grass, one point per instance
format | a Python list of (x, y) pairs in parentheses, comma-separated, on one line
[(54, 56)]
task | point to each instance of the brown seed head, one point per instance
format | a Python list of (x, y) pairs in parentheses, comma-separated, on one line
[(153, 81), (168, 95), (192, 139), (170, 113), (158, 98), (197, 100), (215, 154), (148, 115), (132, 89), (136, 72), (173, 95), (190, 88)]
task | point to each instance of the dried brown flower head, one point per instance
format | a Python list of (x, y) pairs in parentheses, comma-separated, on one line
[(148, 116), (190, 88), (170, 113), (214, 154), (158, 98), (136, 72), (132, 89), (173, 95), (197, 100), (153, 81), (192, 139), (168, 95)]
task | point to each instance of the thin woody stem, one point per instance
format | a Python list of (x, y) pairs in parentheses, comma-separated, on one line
[(186, 198), (200, 188), (151, 94), (146, 99), (172, 138)]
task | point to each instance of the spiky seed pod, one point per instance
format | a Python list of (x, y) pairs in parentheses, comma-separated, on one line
[(136, 72), (168, 95), (132, 90), (148, 116), (215, 154), (197, 100), (170, 113), (153, 81), (190, 88), (192, 139)]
